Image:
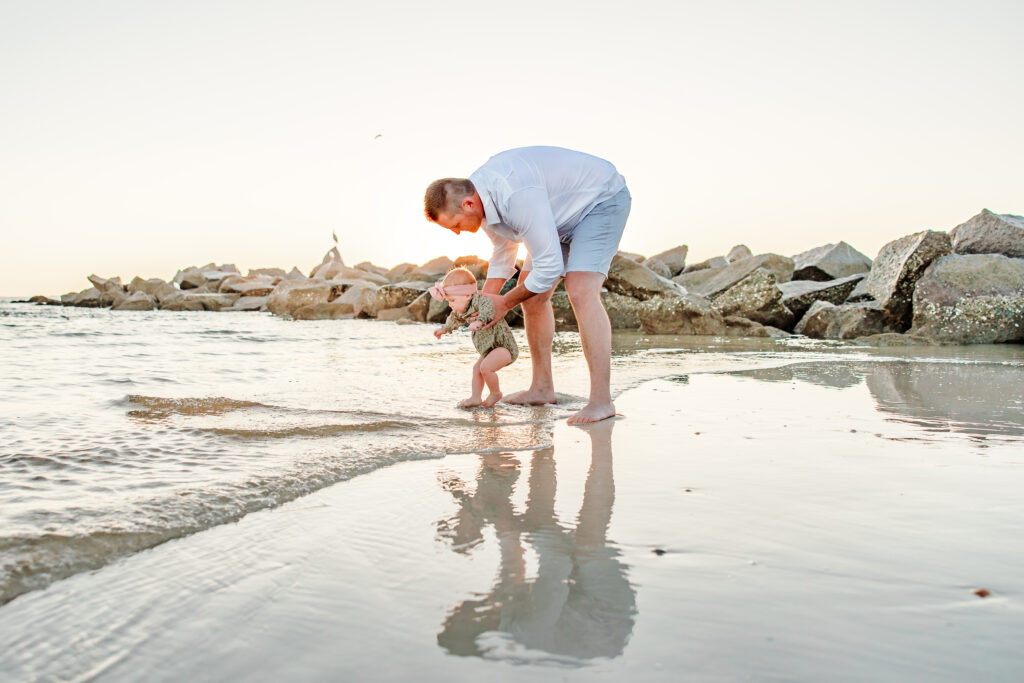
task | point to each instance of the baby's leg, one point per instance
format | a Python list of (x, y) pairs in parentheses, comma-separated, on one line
[(478, 388), (489, 366)]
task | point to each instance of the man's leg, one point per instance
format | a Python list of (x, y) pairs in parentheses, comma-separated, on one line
[(539, 321), (584, 291)]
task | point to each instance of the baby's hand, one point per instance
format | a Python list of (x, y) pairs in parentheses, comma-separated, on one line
[(438, 332), (475, 325)]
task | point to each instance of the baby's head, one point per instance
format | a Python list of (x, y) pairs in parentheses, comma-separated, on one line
[(455, 277)]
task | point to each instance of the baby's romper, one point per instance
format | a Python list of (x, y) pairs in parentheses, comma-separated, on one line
[(485, 341)]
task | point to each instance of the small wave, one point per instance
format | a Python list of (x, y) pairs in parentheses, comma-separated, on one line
[(156, 407), (311, 432)]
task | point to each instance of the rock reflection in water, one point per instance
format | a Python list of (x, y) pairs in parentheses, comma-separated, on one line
[(580, 604), (979, 399)]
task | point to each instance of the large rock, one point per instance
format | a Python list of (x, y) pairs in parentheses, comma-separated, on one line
[(189, 278), (859, 292), (738, 326), (437, 311), (211, 301), (990, 233), (713, 262), (897, 269), (291, 295), (825, 320), (829, 262), (248, 303), (276, 273), (260, 285), (139, 301), (330, 266), (401, 272), (674, 260), (419, 308), (738, 253), (434, 269), (395, 296), (329, 310), (779, 266), (680, 315), (111, 290), (799, 295), (659, 268), (756, 297), (370, 268), (971, 299), (696, 277), (474, 264), (565, 316), (623, 311), (362, 298), (87, 298), (184, 302), (627, 277)]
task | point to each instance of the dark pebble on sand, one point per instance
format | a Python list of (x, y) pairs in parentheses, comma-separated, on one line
[(981, 593), (659, 551)]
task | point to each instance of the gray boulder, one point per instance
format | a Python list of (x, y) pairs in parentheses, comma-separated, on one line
[(859, 292), (659, 268), (401, 272), (738, 326), (673, 259), (896, 270), (111, 290), (799, 295), (189, 278), (686, 314), (420, 307), (629, 278), (971, 299), (88, 298), (636, 258), (139, 301), (395, 296), (724, 278), (990, 233), (248, 303), (276, 273), (361, 297), (474, 264), (713, 262), (437, 311), (756, 297), (623, 311), (260, 285), (291, 295), (738, 253), (825, 320), (829, 262), (183, 302), (328, 310), (695, 278)]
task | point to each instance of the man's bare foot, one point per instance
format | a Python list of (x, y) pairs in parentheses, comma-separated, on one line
[(593, 412), (531, 397), (471, 402), (491, 399)]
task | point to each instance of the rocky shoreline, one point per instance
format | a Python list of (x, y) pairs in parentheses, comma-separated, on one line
[(965, 286)]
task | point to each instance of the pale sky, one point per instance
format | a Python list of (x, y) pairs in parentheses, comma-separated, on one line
[(139, 137)]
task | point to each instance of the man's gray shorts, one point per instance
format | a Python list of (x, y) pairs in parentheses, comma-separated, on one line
[(595, 239)]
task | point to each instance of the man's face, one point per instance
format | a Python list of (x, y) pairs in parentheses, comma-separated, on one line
[(467, 220)]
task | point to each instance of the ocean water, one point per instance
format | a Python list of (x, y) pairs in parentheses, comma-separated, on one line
[(123, 430)]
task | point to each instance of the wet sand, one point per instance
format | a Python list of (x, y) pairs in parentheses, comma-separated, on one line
[(812, 521)]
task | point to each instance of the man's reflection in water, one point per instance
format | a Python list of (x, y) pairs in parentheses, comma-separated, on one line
[(580, 604)]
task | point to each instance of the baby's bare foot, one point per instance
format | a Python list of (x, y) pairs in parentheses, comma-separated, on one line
[(471, 402), (493, 398)]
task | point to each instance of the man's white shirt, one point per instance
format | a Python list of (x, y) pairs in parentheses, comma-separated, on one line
[(537, 196)]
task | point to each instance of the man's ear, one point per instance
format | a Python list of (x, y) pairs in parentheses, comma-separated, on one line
[(468, 202)]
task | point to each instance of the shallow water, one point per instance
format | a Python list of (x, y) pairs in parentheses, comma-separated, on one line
[(122, 430)]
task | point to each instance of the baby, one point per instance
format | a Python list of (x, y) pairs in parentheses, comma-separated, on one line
[(496, 344)]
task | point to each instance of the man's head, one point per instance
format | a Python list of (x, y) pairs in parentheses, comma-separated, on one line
[(453, 203)]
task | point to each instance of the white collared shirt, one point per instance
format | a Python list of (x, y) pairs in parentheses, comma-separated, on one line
[(538, 195)]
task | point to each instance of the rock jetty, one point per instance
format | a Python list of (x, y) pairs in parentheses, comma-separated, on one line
[(965, 286)]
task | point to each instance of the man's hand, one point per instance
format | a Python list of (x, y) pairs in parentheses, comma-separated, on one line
[(500, 309)]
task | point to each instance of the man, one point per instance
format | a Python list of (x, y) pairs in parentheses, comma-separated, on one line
[(569, 208)]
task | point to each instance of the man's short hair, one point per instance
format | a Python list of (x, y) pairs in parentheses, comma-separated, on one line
[(445, 196)]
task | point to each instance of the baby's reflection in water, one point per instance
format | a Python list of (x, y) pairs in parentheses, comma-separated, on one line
[(580, 604)]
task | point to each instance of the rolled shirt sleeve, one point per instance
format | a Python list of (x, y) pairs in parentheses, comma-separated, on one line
[(529, 213), (503, 258)]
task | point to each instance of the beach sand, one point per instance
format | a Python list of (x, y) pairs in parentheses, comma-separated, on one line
[(817, 521)]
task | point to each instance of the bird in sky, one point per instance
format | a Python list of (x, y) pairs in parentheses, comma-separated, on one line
[(335, 236), (378, 135)]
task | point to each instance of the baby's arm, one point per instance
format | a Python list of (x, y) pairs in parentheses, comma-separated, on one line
[(450, 325)]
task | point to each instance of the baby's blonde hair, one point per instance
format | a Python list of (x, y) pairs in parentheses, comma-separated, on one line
[(459, 276)]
